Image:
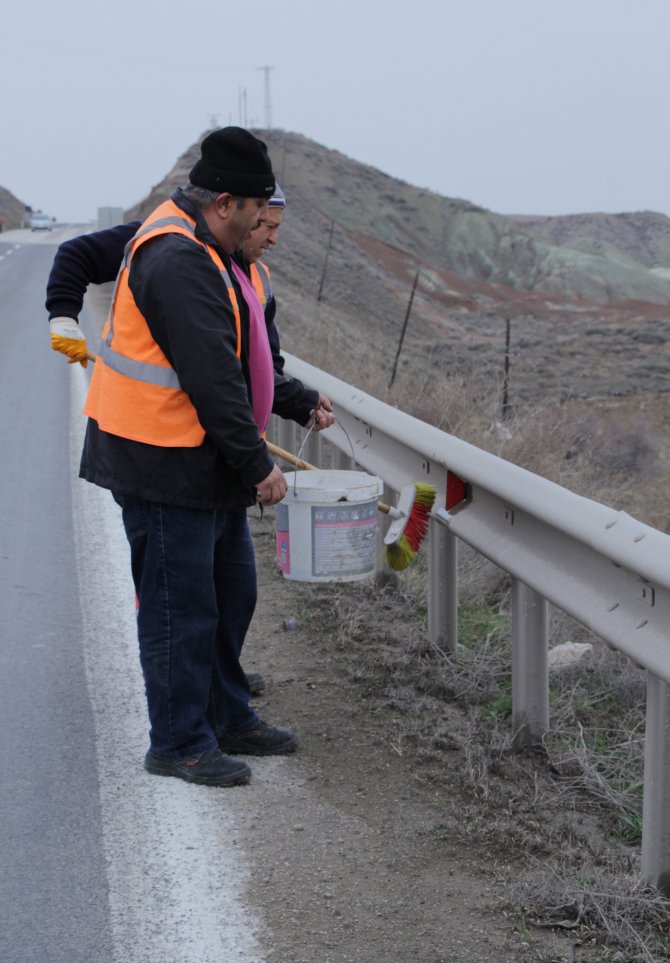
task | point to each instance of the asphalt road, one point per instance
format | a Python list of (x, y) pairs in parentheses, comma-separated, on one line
[(100, 861), (53, 885)]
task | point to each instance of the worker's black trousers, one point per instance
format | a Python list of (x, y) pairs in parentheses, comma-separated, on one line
[(195, 579)]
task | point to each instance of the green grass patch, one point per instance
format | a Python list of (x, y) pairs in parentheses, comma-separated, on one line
[(477, 624)]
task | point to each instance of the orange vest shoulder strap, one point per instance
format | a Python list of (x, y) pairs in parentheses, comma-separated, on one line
[(167, 218), (260, 278)]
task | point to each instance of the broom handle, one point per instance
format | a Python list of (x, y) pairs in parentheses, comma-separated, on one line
[(287, 456), (299, 463)]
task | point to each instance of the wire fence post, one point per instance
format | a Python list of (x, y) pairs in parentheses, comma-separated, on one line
[(505, 398), (325, 263), (404, 328)]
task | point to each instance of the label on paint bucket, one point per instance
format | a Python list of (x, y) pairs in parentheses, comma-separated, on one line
[(343, 538)]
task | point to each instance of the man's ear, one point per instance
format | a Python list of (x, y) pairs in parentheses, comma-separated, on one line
[(222, 203)]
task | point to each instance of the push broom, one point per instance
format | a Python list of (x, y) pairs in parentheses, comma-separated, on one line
[(410, 519)]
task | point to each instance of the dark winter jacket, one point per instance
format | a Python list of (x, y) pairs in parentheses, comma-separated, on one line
[(172, 278)]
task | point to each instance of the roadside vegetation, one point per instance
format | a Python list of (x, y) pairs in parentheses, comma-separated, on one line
[(560, 823)]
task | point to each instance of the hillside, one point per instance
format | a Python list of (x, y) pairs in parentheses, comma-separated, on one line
[(633, 239), (612, 340), (446, 234), (11, 209)]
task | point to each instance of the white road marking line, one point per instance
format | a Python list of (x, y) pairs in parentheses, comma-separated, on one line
[(176, 881)]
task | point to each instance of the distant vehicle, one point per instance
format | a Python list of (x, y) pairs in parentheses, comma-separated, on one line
[(41, 222)]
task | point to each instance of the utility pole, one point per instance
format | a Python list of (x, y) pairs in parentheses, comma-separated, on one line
[(242, 106), (268, 99)]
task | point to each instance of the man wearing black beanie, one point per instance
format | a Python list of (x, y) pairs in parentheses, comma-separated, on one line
[(179, 400), (232, 160)]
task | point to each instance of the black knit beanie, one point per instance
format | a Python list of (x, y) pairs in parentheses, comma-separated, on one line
[(233, 161)]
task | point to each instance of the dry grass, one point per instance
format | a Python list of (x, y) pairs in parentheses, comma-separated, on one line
[(575, 802), (610, 450), (632, 917)]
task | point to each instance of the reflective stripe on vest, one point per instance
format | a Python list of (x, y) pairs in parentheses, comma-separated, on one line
[(152, 374), (260, 278), (134, 391)]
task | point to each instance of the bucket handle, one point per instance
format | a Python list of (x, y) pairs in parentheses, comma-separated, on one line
[(304, 442), (301, 463)]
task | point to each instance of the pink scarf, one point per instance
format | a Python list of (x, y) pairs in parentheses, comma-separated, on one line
[(260, 356)]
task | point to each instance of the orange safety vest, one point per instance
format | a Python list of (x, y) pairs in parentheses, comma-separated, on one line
[(260, 278), (135, 392)]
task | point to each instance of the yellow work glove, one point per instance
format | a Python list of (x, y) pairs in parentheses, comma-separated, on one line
[(68, 339)]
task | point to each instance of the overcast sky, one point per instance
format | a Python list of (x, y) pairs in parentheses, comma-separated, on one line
[(521, 106)]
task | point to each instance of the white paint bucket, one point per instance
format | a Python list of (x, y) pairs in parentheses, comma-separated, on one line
[(326, 526)]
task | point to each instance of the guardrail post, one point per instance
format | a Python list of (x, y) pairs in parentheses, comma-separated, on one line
[(442, 586), (341, 460), (530, 674), (312, 450), (286, 431), (656, 799), (387, 575), (272, 431)]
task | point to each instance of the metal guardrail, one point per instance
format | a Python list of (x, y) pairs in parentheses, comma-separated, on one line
[(601, 566)]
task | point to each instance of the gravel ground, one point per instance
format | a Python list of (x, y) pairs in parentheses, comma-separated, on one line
[(349, 862)]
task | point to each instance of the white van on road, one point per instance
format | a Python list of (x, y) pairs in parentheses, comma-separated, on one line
[(41, 222)]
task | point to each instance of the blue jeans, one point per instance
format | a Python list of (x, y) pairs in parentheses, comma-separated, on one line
[(195, 578)]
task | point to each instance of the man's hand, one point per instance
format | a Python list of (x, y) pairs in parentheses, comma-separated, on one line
[(69, 340), (273, 488), (322, 415)]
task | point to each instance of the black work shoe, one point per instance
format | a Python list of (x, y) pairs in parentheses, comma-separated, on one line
[(210, 769), (261, 741), (256, 682)]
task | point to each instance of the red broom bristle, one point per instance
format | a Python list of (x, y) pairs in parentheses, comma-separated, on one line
[(417, 522)]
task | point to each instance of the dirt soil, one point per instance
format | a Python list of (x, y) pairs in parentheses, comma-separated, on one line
[(365, 858)]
